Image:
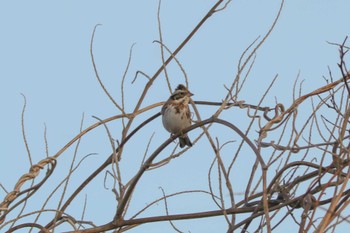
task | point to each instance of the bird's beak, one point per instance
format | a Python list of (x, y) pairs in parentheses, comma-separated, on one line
[(190, 94)]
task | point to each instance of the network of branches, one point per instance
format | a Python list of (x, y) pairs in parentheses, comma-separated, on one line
[(299, 169)]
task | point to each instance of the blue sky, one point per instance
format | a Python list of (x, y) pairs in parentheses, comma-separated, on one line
[(44, 54)]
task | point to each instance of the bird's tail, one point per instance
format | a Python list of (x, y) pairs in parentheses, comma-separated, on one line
[(185, 141)]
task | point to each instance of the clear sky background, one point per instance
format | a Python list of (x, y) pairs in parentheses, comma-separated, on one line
[(44, 54)]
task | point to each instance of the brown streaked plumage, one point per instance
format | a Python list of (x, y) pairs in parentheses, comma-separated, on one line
[(176, 114)]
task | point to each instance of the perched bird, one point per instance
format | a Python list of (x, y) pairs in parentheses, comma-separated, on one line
[(176, 114)]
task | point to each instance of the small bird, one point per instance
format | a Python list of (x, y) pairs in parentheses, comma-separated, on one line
[(176, 114)]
